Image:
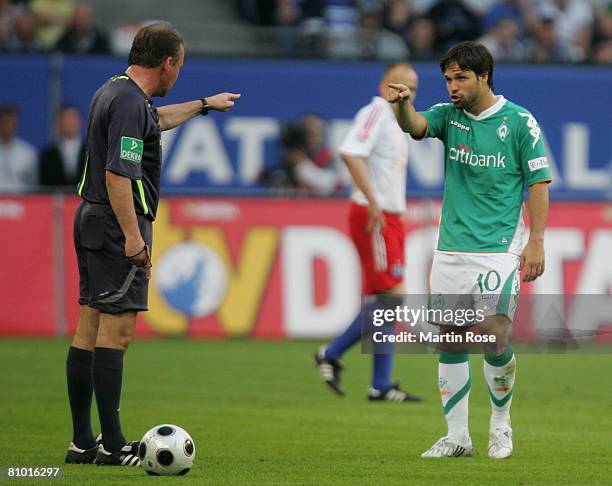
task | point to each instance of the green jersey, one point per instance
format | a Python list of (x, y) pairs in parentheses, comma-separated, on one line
[(487, 161)]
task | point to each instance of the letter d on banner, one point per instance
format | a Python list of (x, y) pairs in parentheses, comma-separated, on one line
[(300, 246)]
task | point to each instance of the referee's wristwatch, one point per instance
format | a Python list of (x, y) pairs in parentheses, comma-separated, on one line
[(204, 111)]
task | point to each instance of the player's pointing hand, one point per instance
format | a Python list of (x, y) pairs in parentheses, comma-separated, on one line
[(398, 92), (222, 101)]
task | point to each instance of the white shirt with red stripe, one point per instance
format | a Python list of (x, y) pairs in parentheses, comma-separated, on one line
[(376, 136)]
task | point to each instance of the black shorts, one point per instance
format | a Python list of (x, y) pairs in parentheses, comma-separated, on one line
[(107, 280)]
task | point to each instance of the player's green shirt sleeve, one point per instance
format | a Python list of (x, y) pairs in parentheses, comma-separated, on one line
[(534, 161), (437, 120)]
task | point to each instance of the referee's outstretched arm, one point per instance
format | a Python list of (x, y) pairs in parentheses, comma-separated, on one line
[(171, 116)]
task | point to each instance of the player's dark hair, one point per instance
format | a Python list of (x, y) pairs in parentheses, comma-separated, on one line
[(153, 44), (470, 56)]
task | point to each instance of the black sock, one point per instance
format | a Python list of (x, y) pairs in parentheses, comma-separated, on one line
[(80, 389), (107, 377)]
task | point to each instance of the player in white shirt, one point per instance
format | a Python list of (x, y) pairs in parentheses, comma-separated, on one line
[(375, 151)]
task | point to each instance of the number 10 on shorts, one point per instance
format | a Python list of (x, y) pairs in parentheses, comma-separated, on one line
[(489, 281)]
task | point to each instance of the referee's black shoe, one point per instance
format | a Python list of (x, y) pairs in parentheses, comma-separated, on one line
[(127, 456), (75, 455), (329, 369), (392, 394)]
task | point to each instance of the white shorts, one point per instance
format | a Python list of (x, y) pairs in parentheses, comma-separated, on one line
[(488, 283)]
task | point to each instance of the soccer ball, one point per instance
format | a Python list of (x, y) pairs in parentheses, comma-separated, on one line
[(167, 450)]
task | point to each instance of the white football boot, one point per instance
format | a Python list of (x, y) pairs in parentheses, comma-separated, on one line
[(500, 442), (446, 447)]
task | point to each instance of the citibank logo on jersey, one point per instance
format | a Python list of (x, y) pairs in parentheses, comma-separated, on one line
[(465, 155)]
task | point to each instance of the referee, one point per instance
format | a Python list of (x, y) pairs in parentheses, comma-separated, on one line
[(112, 232)]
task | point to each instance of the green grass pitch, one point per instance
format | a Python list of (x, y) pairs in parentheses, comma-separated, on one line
[(260, 415)]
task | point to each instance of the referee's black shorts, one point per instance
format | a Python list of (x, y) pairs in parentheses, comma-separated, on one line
[(107, 280)]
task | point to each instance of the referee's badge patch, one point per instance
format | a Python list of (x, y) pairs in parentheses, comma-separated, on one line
[(131, 149)]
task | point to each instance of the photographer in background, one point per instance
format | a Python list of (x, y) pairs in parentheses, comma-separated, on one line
[(307, 161)]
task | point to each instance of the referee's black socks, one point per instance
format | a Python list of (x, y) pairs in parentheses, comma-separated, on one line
[(107, 379), (80, 390)]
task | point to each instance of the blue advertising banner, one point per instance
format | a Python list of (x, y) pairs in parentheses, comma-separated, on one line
[(227, 152), (26, 83)]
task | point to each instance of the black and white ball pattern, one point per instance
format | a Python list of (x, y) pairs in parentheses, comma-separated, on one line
[(167, 450)]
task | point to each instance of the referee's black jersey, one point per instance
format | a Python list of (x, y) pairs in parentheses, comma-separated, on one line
[(123, 136)]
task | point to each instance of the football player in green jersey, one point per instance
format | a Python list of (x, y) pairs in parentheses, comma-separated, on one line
[(493, 148)]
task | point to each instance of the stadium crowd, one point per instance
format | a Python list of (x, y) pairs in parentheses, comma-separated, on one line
[(558, 31), (48, 25)]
